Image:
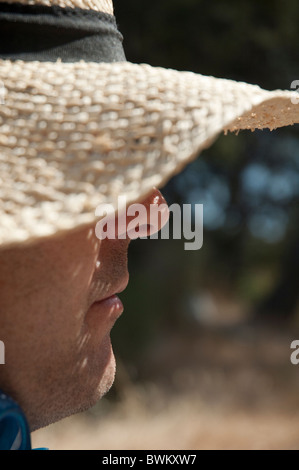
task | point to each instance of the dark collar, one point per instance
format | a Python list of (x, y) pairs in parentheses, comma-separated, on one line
[(14, 430)]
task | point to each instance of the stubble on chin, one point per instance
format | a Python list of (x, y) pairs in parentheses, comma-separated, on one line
[(79, 389)]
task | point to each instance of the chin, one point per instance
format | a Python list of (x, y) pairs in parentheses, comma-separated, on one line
[(81, 391), (99, 377), (108, 377)]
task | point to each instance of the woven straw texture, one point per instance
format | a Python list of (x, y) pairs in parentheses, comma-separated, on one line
[(73, 136), (104, 6)]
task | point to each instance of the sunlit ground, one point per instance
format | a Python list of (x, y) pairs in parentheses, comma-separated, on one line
[(225, 388)]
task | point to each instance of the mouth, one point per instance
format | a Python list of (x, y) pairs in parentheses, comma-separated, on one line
[(115, 290), (111, 306)]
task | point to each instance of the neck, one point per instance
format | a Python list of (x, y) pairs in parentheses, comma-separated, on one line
[(104, 6)]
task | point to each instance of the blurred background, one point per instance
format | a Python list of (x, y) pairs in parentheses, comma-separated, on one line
[(203, 347)]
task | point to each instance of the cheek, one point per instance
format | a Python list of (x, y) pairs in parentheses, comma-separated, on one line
[(64, 297)]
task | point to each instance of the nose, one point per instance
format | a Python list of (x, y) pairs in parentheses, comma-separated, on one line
[(138, 220), (147, 217)]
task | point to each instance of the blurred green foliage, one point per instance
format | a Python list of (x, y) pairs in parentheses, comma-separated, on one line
[(243, 40), (249, 184)]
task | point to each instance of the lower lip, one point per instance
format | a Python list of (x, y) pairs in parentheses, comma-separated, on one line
[(112, 307)]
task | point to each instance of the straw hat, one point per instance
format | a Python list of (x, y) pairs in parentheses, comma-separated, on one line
[(76, 135)]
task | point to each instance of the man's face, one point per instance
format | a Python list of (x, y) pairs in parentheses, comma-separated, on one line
[(58, 306)]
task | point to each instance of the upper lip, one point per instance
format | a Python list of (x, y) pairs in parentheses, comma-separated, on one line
[(117, 289)]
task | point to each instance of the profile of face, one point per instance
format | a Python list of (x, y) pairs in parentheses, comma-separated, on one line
[(58, 306)]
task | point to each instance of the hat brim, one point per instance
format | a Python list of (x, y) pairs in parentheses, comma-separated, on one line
[(73, 136)]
